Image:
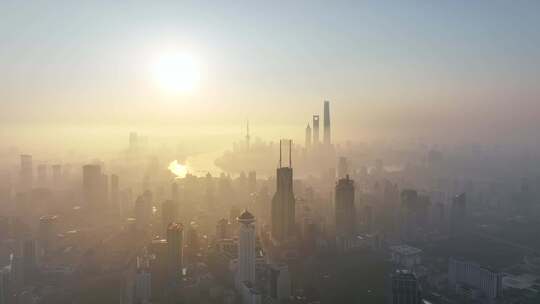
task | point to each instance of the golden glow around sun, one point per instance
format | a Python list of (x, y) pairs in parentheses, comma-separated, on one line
[(178, 169), (176, 72)]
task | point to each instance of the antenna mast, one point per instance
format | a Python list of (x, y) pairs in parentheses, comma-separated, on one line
[(280, 153), (290, 153)]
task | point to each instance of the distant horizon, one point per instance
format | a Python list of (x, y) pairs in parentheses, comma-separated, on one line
[(465, 71), (135, 135)]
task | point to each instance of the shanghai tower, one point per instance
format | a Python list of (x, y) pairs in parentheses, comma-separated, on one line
[(326, 138)]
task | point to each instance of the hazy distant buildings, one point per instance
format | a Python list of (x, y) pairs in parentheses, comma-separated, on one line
[(458, 214), (320, 153), (345, 209), (175, 195), (379, 167), (26, 173), (159, 268), (473, 280), (175, 249), (405, 288), (248, 137), (5, 286), (209, 195), (343, 167), (115, 192), (367, 216), (169, 213), (42, 175), (57, 174), (66, 171), (327, 140), (308, 137), (143, 287), (104, 191), (252, 182), (409, 198), (5, 229), (283, 203), (234, 212), (143, 212), (29, 260), (94, 189), (191, 237), (279, 283), (405, 256), (315, 142), (250, 293), (16, 277), (133, 142), (47, 232), (414, 214), (5, 189), (222, 229)]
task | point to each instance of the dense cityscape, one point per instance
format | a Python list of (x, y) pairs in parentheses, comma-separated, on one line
[(269, 152), (344, 227)]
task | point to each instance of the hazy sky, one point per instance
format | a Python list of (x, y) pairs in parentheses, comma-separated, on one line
[(432, 67)]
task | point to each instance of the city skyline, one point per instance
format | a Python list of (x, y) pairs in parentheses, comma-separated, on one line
[(390, 70), (309, 152)]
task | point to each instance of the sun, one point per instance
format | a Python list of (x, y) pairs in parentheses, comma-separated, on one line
[(176, 72), (178, 169)]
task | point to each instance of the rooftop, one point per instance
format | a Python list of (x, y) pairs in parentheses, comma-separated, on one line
[(246, 215), (175, 226), (405, 249)]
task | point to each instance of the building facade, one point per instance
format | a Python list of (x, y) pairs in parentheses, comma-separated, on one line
[(175, 249), (405, 288), (463, 275), (283, 203), (327, 139), (246, 248), (345, 209)]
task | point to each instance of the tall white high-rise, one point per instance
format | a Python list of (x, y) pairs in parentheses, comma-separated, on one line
[(246, 248)]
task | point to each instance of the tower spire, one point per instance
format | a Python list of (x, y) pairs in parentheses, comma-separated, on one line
[(290, 153), (280, 153)]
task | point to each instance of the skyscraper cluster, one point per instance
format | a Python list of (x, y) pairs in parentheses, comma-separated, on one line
[(312, 134), (350, 210)]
